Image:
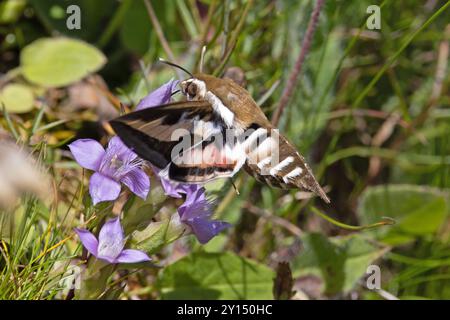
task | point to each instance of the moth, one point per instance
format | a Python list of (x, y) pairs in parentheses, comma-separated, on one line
[(213, 132)]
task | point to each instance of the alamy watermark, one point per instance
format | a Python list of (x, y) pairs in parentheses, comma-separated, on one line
[(373, 281), (374, 20), (73, 21), (71, 278), (209, 145)]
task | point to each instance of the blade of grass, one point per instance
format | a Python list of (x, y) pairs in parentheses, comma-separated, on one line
[(159, 32), (233, 40), (323, 165), (114, 23), (10, 123), (38, 119), (187, 19), (394, 57)]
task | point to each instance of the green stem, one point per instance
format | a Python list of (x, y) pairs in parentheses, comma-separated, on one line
[(233, 39), (114, 23), (385, 221)]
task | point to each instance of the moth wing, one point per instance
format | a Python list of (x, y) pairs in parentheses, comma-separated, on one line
[(183, 139), (208, 159), (153, 132)]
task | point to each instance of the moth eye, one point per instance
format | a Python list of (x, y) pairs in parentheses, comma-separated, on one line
[(192, 90)]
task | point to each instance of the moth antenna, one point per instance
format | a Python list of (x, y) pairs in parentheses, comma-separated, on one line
[(202, 58), (176, 66)]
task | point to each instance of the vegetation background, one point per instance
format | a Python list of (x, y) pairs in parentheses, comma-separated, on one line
[(370, 112)]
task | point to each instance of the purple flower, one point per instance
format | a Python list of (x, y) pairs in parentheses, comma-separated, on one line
[(109, 246), (116, 165), (159, 96), (196, 212), (175, 189)]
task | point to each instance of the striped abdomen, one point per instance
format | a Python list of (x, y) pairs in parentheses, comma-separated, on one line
[(271, 159)]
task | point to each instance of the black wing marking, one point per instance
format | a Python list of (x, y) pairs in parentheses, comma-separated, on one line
[(148, 132)]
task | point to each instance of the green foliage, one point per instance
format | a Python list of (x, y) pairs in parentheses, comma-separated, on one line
[(53, 16), (158, 234), (216, 276), (418, 211), (26, 257), (55, 62), (10, 10), (17, 98), (134, 31), (370, 113), (339, 261)]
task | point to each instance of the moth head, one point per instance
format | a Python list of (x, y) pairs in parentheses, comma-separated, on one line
[(193, 89)]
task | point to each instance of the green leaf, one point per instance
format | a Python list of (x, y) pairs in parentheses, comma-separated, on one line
[(216, 276), (416, 223), (141, 212), (55, 62), (340, 262), (359, 254), (417, 210), (11, 10), (17, 98), (158, 234)]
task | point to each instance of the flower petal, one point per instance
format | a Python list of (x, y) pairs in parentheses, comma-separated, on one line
[(118, 148), (159, 96), (176, 190), (110, 240), (88, 240), (205, 229), (102, 188), (132, 256), (138, 182), (196, 205), (88, 153), (107, 259), (170, 188)]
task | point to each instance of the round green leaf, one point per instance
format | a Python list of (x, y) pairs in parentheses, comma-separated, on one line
[(56, 62), (17, 98)]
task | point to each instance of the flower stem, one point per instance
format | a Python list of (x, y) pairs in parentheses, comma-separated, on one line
[(206, 28), (385, 221), (160, 33), (114, 23)]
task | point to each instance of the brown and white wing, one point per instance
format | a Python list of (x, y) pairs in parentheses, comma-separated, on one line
[(181, 139), (206, 161), (151, 132)]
